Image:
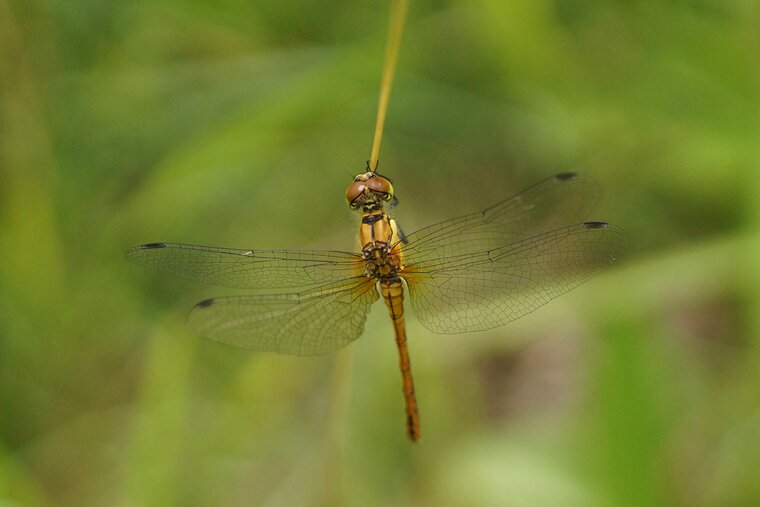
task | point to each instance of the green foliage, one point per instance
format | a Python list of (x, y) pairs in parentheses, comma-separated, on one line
[(240, 123)]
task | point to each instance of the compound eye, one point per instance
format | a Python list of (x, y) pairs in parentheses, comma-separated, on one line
[(381, 186), (353, 192)]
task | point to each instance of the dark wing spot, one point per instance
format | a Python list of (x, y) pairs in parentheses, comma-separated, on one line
[(565, 176), (595, 225), (153, 245), (205, 303)]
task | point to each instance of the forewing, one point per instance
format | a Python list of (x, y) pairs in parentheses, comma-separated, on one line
[(248, 269), (480, 291), (564, 199), (313, 322)]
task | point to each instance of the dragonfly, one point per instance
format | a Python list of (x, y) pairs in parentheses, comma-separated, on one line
[(470, 273)]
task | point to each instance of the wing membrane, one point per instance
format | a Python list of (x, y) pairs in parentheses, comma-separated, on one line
[(474, 292), (561, 200), (307, 323), (248, 269)]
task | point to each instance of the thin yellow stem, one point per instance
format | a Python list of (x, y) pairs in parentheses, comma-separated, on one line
[(395, 29)]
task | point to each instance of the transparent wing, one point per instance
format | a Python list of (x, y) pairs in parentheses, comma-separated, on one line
[(564, 199), (307, 323), (248, 269), (474, 292)]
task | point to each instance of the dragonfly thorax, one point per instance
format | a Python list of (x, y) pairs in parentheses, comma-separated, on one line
[(381, 263), (380, 245)]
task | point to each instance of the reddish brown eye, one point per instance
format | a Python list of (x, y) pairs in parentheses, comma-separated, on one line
[(354, 190), (380, 184)]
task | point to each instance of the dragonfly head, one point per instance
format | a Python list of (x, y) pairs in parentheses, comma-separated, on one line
[(369, 191)]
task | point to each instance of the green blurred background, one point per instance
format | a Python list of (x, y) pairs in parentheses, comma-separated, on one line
[(240, 123)]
